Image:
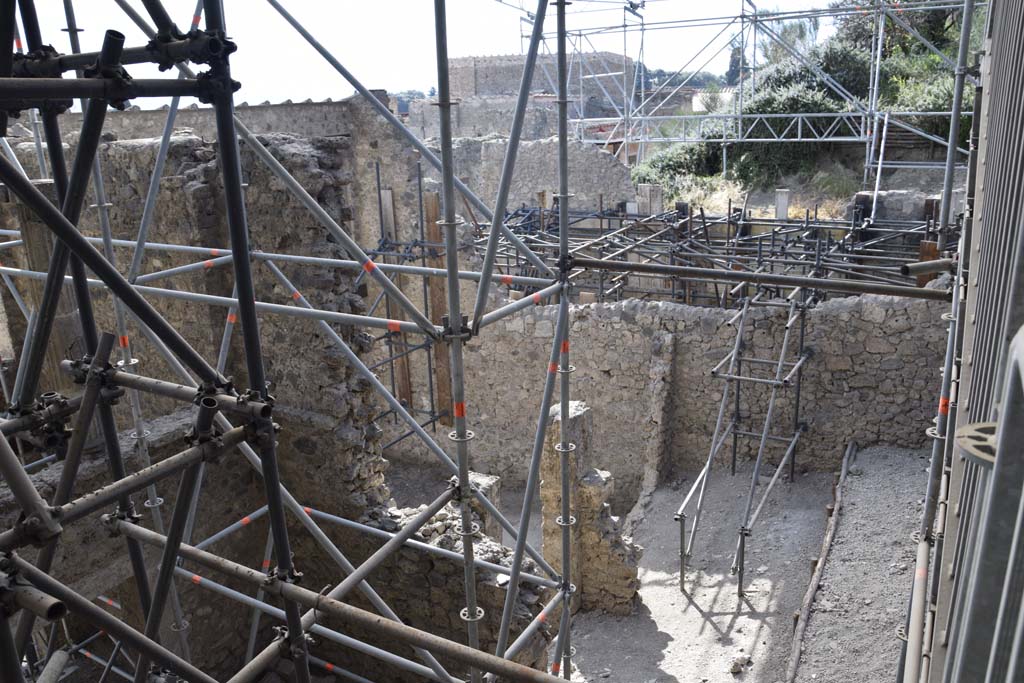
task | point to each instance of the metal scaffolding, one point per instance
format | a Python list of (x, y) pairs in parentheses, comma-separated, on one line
[(730, 261), (212, 433), (964, 619), (634, 119)]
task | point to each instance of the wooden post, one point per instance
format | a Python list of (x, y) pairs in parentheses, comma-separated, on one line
[(927, 251), (403, 373), (438, 298), (65, 338)]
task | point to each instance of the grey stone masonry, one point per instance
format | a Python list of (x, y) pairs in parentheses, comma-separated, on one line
[(644, 369), (603, 562)]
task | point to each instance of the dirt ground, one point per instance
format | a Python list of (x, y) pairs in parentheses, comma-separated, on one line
[(866, 582), (696, 637)]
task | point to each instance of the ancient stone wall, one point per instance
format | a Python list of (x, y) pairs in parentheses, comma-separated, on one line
[(329, 453), (297, 118), (644, 370), (477, 116), (598, 178), (604, 562), (502, 74)]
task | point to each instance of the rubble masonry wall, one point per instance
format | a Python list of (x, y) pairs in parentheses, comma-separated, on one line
[(643, 368), (328, 457)]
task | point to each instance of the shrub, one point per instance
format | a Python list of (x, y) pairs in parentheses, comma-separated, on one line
[(921, 82), (849, 65), (668, 167), (757, 164)]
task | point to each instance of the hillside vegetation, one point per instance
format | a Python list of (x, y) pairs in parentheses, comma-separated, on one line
[(912, 79)]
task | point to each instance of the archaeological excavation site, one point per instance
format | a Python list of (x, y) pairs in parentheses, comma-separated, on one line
[(641, 341)]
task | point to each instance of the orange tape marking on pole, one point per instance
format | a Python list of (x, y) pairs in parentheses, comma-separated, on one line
[(460, 410), (506, 279), (232, 318), (944, 406), (123, 341), (552, 367), (565, 346), (536, 298), (394, 326), (369, 266)]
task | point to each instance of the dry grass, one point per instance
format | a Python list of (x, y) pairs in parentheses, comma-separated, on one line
[(827, 193)]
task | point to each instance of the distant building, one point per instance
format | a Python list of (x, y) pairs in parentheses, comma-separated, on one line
[(600, 76)]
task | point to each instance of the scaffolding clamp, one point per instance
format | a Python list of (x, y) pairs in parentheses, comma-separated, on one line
[(456, 487), (448, 333), (51, 433), (474, 529), (111, 520), (212, 86), (292, 576), (197, 46), (566, 263)]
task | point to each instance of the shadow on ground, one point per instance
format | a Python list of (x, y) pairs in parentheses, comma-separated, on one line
[(696, 636)]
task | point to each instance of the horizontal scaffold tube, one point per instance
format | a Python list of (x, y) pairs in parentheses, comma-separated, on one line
[(941, 265), (715, 275), (90, 502), (317, 630), (228, 302), (78, 604), (18, 89), (344, 613), (180, 392)]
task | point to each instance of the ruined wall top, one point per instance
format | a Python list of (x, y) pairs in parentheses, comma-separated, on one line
[(308, 119), (501, 75)]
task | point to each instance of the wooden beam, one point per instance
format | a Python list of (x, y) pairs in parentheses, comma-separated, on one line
[(399, 343), (438, 299)]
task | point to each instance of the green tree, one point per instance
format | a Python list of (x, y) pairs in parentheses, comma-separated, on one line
[(802, 34), (939, 27), (737, 64)]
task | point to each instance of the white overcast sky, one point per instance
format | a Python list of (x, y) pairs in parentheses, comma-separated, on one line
[(390, 43)]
